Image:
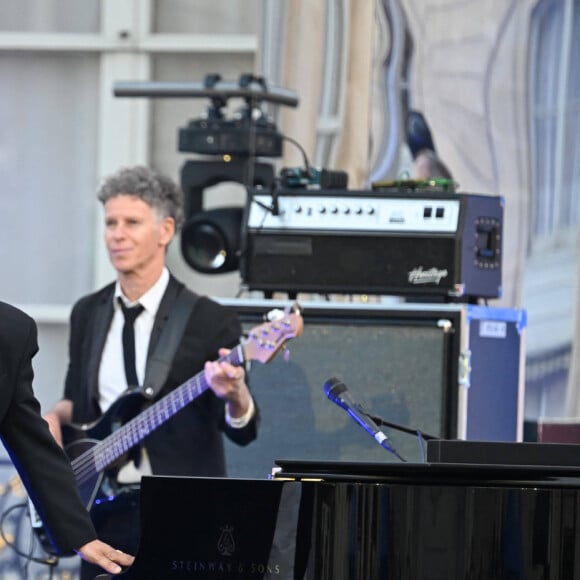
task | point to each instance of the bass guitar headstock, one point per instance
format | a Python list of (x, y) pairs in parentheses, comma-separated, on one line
[(266, 340)]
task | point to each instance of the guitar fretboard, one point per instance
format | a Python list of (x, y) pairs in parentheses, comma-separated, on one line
[(103, 454)]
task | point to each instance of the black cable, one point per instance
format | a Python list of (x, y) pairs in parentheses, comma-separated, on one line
[(304, 156), (275, 186), (275, 193), (409, 430), (420, 440), (50, 561)]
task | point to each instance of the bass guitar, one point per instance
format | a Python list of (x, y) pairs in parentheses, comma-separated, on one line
[(97, 446)]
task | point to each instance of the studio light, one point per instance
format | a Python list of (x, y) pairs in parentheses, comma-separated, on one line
[(211, 238)]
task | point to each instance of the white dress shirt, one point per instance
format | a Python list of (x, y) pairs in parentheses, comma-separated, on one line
[(112, 381)]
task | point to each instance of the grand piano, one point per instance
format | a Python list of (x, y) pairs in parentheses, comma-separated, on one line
[(481, 512)]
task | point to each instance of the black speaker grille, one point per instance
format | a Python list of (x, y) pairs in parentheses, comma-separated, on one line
[(397, 368)]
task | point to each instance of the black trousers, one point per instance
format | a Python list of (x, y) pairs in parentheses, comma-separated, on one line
[(117, 523)]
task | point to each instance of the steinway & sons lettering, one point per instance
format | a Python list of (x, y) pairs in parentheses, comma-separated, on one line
[(219, 567)]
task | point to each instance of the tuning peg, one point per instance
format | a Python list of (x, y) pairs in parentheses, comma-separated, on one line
[(275, 314), (295, 307), (286, 354)]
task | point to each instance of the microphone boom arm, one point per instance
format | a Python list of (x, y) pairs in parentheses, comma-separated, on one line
[(380, 421)]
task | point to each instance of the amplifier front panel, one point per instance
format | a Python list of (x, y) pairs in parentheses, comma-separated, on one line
[(350, 264)]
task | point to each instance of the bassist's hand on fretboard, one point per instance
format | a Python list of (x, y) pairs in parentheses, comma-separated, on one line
[(228, 383)]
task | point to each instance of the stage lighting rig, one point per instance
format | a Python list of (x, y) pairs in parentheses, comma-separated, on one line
[(237, 136), (219, 89), (247, 132)]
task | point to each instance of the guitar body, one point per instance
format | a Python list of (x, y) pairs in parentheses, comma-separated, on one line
[(79, 440)]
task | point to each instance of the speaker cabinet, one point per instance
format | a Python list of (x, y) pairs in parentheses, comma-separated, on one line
[(448, 370)]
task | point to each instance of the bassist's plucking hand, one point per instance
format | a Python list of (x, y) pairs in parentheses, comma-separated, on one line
[(60, 414)]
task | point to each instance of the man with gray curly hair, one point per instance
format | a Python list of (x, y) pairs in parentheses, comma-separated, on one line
[(116, 336), (155, 189)]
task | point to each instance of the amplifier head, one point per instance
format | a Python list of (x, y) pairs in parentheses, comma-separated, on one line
[(373, 242)]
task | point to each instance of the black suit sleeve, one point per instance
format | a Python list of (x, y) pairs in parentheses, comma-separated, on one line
[(42, 465)]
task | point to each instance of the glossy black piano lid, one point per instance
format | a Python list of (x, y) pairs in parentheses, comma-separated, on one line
[(414, 527), (432, 473)]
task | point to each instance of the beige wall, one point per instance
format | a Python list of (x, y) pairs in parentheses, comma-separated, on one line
[(469, 79)]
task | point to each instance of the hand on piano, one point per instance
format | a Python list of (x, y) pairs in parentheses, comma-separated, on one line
[(103, 555)]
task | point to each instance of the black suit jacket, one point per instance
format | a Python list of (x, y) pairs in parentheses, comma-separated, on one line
[(42, 465), (191, 442)]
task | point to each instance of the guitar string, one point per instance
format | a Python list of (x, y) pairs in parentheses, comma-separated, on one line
[(115, 444), (90, 461)]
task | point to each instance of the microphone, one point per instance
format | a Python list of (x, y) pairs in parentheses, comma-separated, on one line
[(337, 392)]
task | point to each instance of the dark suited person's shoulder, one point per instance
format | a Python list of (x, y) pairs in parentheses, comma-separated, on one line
[(15, 326), (10, 315), (97, 297), (213, 310)]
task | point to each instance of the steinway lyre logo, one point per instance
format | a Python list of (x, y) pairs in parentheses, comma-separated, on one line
[(226, 544)]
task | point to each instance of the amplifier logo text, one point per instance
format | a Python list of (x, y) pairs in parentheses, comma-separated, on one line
[(430, 276)]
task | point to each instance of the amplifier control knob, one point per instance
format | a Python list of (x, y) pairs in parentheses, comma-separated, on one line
[(298, 209), (334, 210), (322, 209)]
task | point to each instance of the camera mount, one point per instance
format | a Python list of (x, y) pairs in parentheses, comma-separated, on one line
[(249, 133)]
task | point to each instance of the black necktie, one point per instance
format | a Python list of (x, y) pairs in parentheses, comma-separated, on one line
[(130, 313)]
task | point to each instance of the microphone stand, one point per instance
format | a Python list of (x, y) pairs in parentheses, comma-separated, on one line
[(420, 434), (392, 450)]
